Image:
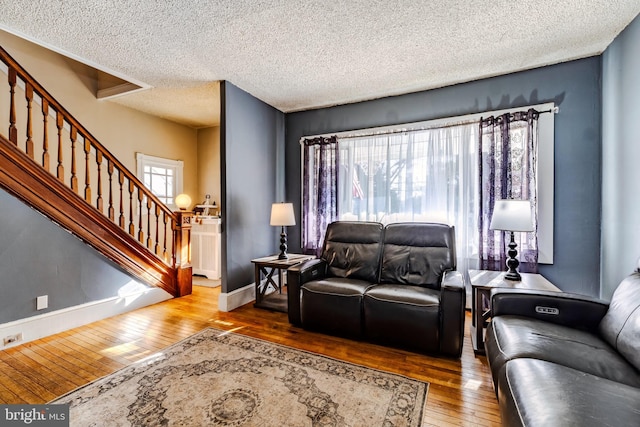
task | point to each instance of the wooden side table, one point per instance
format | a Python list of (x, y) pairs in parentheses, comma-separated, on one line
[(482, 281), (266, 267)]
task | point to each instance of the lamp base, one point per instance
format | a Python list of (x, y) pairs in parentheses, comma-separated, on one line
[(513, 275), (512, 262), (283, 245)]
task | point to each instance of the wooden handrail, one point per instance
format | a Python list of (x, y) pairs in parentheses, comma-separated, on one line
[(17, 69), (25, 179), (159, 237)]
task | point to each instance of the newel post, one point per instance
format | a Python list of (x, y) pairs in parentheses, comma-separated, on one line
[(182, 251)]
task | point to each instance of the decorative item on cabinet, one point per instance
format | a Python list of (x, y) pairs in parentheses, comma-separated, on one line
[(207, 208)]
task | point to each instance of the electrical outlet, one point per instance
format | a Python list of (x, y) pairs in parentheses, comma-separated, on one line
[(42, 302), (13, 338)]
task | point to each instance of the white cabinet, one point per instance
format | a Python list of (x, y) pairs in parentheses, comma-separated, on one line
[(205, 247)]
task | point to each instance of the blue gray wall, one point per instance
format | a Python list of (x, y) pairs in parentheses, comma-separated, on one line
[(37, 257), (599, 100), (573, 86), (620, 157), (252, 170)]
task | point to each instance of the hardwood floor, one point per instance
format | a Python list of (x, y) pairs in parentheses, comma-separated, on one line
[(460, 391)]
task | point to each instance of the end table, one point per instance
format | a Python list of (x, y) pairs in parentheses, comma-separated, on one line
[(482, 281), (266, 267)]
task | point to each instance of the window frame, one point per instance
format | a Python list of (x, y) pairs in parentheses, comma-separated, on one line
[(144, 160), (545, 167)]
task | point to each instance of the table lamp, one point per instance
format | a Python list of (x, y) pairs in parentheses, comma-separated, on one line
[(512, 216), (282, 216), (183, 201)]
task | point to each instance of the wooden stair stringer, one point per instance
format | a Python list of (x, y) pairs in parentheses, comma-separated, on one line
[(31, 183)]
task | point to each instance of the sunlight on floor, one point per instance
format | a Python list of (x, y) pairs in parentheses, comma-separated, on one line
[(222, 322), (231, 330), (152, 358), (132, 291), (203, 281), (122, 349), (472, 385)]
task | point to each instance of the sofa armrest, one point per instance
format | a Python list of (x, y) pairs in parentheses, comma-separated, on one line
[(452, 309), (573, 310), (298, 275), (453, 280)]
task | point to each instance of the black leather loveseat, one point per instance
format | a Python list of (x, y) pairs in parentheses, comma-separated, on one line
[(395, 284), (560, 359)]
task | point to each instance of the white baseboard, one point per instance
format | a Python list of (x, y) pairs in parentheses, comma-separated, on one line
[(42, 325), (239, 297)]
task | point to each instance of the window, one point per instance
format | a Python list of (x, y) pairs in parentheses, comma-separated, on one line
[(162, 176), (419, 176), (428, 171)]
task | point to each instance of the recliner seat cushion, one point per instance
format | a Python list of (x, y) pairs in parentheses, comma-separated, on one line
[(402, 314), (536, 393), (620, 327), (417, 254), (333, 304), (514, 337), (352, 250)]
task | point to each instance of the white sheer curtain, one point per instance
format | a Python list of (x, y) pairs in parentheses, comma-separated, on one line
[(426, 175)]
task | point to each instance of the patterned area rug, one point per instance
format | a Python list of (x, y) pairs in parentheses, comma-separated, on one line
[(218, 378)]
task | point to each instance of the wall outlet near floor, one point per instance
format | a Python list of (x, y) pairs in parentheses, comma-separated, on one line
[(12, 338), (42, 302)]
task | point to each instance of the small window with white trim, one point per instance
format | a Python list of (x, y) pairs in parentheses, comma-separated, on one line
[(162, 176)]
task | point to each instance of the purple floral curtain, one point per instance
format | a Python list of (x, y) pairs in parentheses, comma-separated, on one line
[(507, 168), (319, 191)]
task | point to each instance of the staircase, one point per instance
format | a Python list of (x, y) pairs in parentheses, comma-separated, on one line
[(52, 163)]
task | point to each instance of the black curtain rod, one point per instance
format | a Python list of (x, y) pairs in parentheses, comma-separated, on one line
[(552, 110)]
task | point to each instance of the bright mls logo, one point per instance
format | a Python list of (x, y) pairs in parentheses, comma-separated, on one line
[(34, 415)]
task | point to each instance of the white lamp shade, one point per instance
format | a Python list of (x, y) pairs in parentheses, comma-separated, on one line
[(183, 201), (282, 214), (512, 215)]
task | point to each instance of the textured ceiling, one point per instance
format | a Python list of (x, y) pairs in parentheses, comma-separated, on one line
[(297, 55)]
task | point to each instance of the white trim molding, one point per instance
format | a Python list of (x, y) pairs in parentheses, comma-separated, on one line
[(43, 325), (231, 300), (241, 296), (143, 160), (116, 91)]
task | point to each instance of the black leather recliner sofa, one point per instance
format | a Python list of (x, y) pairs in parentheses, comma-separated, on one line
[(560, 359), (395, 285)]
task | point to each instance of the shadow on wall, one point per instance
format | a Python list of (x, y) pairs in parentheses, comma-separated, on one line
[(506, 102)]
